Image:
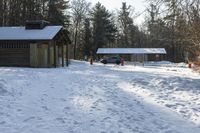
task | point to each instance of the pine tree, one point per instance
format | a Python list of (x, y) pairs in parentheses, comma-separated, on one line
[(104, 29), (56, 12), (87, 34), (1, 12), (126, 26)]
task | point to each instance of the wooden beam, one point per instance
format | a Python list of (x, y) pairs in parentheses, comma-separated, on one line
[(67, 55), (63, 61), (63, 37), (143, 59), (48, 54), (55, 54)]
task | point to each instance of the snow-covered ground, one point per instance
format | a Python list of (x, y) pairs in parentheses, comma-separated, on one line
[(100, 99)]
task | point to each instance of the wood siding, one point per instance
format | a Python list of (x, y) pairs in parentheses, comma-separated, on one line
[(14, 53), (14, 57)]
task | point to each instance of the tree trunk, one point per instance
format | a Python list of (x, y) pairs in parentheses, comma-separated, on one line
[(75, 39)]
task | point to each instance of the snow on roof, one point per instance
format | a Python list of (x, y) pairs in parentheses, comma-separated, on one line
[(131, 51), (20, 33)]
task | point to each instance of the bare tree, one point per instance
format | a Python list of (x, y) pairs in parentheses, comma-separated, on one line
[(80, 9)]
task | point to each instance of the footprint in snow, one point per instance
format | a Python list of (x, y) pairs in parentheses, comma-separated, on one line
[(66, 109), (19, 110), (93, 107), (92, 123), (63, 100), (45, 108), (171, 131), (77, 123), (103, 132), (29, 119), (2, 122), (3, 89), (106, 119), (161, 125), (170, 105), (96, 103), (45, 95), (151, 113), (61, 120), (42, 99)]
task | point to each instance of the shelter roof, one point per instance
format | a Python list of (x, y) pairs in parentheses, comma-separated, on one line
[(21, 33), (131, 51)]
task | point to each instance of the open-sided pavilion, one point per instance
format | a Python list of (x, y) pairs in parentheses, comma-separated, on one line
[(141, 52)]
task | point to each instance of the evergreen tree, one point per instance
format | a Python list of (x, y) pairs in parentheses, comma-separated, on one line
[(104, 29), (16, 12), (125, 23), (87, 34), (128, 30), (56, 12), (4, 12)]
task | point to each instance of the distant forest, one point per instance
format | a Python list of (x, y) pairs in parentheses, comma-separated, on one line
[(172, 24)]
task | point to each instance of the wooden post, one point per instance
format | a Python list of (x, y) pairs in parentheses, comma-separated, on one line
[(67, 55), (55, 58), (48, 55), (63, 62), (143, 59)]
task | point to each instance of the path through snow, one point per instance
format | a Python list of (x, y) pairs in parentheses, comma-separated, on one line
[(99, 99)]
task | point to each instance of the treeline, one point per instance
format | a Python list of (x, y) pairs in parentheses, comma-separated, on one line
[(172, 24), (16, 12), (175, 24), (96, 27)]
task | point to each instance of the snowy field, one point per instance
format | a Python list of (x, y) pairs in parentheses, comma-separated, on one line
[(161, 98)]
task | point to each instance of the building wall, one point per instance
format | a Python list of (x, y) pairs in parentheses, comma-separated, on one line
[(43, 55), (51, 56), (14, 53), (39, 55), (33, 55)]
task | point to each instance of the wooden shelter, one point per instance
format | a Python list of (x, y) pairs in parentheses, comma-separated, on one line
[(138, 54), (35, 45)]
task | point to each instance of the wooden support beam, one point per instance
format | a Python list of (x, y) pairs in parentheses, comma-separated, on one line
[(63, 36), (67, 55), (63, 61), (48, 55), (143, 59), (55, 55)]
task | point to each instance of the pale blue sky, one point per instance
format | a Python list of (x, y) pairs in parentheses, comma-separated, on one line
[(139, 5)]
